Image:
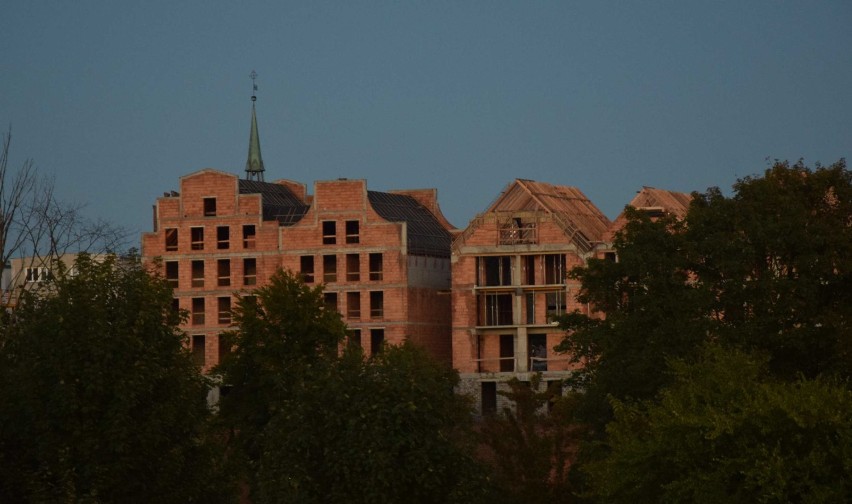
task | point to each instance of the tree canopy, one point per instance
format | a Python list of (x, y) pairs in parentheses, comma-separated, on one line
[(99, 399), (769, 268), (317, 422)]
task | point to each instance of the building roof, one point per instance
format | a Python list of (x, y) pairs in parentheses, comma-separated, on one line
[(278, 202), (658, 201), (426, 235)]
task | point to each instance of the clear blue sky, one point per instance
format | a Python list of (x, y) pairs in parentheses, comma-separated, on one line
[(119, 99)]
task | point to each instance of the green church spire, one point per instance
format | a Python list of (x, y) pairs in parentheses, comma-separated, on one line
[(254, 164)]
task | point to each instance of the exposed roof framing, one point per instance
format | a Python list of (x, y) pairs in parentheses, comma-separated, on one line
[(426, 235)]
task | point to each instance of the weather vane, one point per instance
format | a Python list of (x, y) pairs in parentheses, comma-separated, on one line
[(253, 76)]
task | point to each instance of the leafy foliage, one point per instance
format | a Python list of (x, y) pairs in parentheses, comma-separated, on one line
[(99, 400), (726, 431), (768, 269), (315, 425), (530, 445)]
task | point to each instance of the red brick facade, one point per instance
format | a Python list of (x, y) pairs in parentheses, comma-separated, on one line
[(388, 278)]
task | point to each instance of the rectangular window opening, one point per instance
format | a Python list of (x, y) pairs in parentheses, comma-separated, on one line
[(507, 353), (330, 299), (329, 232), (171, 239), (199, 344), (495, 309), (172, 273), (223, 272), (377, 304), (196, 238), (537, 350), (249, 236), (353, 305), (209, 207), (198, 273), (197, 311), (306, 268), (249, 271), (554, 269), (375, 267), (494, 270), (223, 237), (224, 310), (377, 340), (353, 337), (353, 267), (352, 231), (489, 398), (329, 268)]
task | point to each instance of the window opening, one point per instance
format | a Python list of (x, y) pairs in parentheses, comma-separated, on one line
[(353, 267), (249, 236), (209, 207), (171, 239), (353, 305), (196, 238), (223, 272), (172, 273), (306, 268), (249, 271), (377, 340), (530, 302), (198, 347), (529, 269), (225, 310), (329, 232), (223, 237), (353, 337), (198, 273), (489, 398), (330, 299), (329, 268), (197, 311), (555, 305), (352, 231), (377, 304), (507, 353), (376, 267)]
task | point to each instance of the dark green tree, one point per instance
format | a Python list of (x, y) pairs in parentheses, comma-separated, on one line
[(285, 337), (530, 446), (99, 399), (769, 268), (726, 430), (384, 430), (315, 421)]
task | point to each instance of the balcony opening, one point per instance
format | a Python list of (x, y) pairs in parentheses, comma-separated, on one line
[(555, 305), (528, 269), (495, 309), (529, 297), (554, 268), (494, 270), (537, 350)]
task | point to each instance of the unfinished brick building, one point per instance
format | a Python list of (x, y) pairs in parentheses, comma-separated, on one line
[(509, 281), (383, 257)]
